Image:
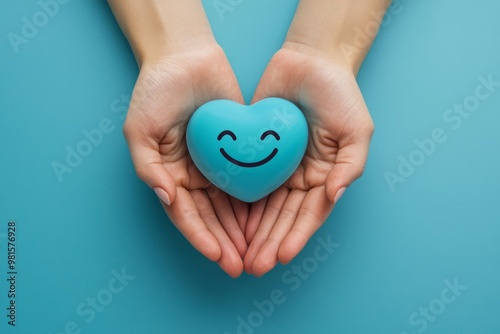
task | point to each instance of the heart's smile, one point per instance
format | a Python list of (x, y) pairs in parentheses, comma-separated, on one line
[(248, 164)]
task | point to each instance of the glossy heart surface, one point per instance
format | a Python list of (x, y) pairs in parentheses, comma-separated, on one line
[(247, 151)]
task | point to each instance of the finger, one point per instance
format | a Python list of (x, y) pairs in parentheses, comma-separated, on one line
[(224, 211), (230, 261), (185, 216), (149, 167), (267, 257), (241, 211), (271, 213), (349, 165), (312, 214), (254, 218)]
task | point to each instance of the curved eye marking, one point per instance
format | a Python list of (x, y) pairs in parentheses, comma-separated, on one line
[(270, 133), (226, 132)]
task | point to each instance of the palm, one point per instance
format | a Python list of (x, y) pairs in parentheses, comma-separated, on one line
[(165, 96), (340, 130)]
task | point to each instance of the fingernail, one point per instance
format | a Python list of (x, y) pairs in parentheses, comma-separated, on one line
[(339, 194), (162, 194)]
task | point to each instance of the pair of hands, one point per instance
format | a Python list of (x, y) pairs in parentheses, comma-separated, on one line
[(240, 236)]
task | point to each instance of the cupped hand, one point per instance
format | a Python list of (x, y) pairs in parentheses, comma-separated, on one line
[(340, 130), (168, 90)]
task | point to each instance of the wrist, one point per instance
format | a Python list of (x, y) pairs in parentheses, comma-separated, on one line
[(155, 28), (327, 53), (170, 44), (337, 29)]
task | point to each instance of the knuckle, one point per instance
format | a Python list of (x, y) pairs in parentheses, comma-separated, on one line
[(358, 171), (369, 127), (288, 214), (127, 130), (187, 216), (311, 216), (141, 173), (273, 210)]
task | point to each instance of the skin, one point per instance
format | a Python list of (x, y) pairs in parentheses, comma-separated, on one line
[(182, 67)]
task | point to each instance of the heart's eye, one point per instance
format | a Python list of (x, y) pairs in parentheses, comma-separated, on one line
[(270, 133), (224, 133)]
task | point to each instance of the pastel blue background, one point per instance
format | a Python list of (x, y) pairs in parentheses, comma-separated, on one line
[(396, 248)]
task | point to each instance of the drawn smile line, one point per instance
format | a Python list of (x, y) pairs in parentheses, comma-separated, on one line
[(249, 164)]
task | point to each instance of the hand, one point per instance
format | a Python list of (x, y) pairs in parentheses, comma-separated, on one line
[(167, 92), (340, 130)]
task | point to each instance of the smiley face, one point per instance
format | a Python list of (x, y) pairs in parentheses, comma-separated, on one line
[(247, 151), (248, 164)]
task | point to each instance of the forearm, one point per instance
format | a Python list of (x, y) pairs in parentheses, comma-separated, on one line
[(158, 27), (343, 29)]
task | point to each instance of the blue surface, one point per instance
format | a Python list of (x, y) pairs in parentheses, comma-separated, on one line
[(395, 251)]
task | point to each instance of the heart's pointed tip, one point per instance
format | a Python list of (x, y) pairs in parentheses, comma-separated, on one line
[(246, 199), (249, 199)]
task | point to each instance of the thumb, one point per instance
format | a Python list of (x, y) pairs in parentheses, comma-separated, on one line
[(349, 166), (149, 167)]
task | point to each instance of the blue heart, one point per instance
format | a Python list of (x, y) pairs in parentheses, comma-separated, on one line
[(247, 151)]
